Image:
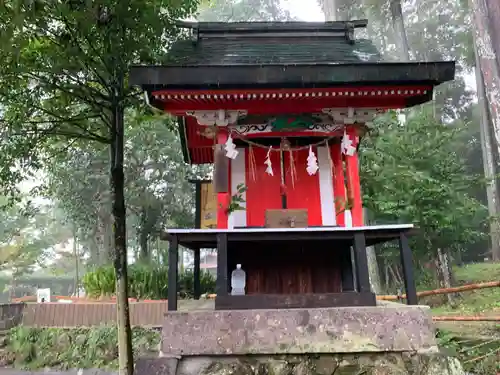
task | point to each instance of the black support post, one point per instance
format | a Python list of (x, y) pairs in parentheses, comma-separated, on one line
[(173, 265), (347, 274), (362, 276), (196, 275), (222, 273), (197, 218), (407, 263)]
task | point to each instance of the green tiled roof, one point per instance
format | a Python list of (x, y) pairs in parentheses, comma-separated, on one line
[(264, 43), (272, 50)]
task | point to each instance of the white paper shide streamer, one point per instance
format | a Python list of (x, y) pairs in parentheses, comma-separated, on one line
[(230, 148), (347, 145), (269, 169), (312, 163)]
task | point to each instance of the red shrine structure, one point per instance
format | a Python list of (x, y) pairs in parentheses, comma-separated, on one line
[(279, 109)]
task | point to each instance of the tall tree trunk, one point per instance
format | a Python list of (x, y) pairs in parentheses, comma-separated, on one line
[(144, 254), (486, 23), (489, 163), (108, 238), (77, 264), (443, 267), (95, 256), (399, 29), (373, 269), (337, 10), (125, 353)]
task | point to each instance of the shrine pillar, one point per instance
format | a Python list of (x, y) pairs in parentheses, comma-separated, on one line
[(221, 180), (353, 180), (339, 190)]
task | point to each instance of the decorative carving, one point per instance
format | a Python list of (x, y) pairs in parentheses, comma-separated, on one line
[(254, 124), (352, 115), (219, 117)]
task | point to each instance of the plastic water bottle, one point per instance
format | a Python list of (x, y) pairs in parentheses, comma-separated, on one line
[(238, 281)]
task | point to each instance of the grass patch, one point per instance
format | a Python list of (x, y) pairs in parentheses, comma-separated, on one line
[(478, 356), (481, 301), (97, 347), (477, 344), (477, 272)]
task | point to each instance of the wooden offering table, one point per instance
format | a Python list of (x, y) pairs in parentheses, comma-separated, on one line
[(292, 267)]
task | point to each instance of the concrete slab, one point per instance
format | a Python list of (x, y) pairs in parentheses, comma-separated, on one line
[(391, 327)]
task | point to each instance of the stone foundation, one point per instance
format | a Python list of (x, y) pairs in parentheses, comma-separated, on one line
[(392, 339), (394, 328), (403, 363)]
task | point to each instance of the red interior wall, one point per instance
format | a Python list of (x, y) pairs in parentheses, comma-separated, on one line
[(305, 193), (264, 192)]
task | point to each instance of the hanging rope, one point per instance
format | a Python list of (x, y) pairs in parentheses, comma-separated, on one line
[(319, 143), (252, 163), (293, 172)]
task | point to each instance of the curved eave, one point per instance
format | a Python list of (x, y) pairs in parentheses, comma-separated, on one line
[(153, 78)]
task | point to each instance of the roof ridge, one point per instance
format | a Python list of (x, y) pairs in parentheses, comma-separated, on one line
[(263, 26)]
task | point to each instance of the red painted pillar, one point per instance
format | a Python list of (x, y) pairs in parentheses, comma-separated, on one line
[(223, 198), (353, 182), (339, 192)]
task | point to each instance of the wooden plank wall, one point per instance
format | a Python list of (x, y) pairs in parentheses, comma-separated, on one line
[(145, 314), (292, 269), (11, 314)]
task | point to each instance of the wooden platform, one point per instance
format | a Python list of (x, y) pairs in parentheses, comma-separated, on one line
[(268, 252)]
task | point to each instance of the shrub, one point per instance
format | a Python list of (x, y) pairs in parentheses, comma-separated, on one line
[(96, 347), (145, 282)]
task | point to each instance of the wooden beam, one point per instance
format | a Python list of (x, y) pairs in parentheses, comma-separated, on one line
[(293, 301), (196, 275), (173, 264), (221, 170), (362, 276), (222, 271), (407, 263), (197, 218)]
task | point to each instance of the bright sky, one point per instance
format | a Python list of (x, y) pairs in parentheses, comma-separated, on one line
[(305, 10), (310, 11)]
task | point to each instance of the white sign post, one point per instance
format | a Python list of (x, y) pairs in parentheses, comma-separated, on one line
[(43, 295)]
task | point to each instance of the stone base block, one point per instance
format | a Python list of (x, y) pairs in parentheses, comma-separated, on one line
[(390, 328), (327, 364)]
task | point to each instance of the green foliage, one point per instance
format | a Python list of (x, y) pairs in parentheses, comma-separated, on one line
[(478, 355), (416, 173), (27, 231), (28, 283), (145, 282), (237, 199), (38, 348), (157, 191), (242, 11), (186, 283)]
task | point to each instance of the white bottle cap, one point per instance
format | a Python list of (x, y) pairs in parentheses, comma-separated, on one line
[(238, 266)]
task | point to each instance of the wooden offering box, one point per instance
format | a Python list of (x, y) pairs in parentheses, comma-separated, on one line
[(286, 218)]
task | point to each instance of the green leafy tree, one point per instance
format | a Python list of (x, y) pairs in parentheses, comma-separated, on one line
[(157, 187), (242, 11), (416, 172), (64, 74)]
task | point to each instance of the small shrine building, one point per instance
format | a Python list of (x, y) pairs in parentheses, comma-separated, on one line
[(280, 109)]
